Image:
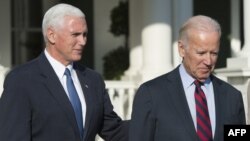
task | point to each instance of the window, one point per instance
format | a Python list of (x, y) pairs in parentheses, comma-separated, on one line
[(26, 33)]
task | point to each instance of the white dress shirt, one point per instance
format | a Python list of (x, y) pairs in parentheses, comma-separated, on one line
[(189, 88), (59, 69)]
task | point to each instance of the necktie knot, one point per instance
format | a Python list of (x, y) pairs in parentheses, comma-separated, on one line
[(198, 83), (67, 72)]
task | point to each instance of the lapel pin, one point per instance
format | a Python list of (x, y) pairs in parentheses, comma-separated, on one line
[(86, 86)]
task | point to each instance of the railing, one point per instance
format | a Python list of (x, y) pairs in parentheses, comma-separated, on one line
[(121, 94)]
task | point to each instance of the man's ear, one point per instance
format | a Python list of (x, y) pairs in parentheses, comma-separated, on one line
[(181, 48), (51, 35)]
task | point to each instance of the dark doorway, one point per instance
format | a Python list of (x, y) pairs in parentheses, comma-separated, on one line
[(220, 11)]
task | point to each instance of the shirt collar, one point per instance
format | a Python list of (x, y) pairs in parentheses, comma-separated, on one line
[(58, 67), (187, 79)]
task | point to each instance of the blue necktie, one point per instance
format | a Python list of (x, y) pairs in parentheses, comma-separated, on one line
[(75, 101)]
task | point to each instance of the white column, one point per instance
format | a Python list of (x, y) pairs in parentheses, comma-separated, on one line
[(5, 33), (3, 72), (183, 9), (135, 28), (156, 38), (235, 28), (246, 48)]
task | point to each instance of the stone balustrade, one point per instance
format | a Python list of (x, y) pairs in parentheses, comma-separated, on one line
[(121, 94)]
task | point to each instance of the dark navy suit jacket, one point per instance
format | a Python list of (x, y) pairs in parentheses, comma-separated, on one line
[(35, 107), (161, 112)]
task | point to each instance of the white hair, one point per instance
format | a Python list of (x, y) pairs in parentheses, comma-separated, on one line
[(200, 23), (54, 17)]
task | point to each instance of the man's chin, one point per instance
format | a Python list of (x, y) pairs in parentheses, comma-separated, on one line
[(75, 59), (204, 76)]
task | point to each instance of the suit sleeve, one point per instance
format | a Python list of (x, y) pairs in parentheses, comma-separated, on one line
[(142, 126), (114, 128), (240, 110), (14, 111)]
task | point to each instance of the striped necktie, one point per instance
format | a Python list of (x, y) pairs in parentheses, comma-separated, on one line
[(75, 101), (204, 130)]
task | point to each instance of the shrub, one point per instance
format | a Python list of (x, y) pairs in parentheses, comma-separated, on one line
[(115, 63)]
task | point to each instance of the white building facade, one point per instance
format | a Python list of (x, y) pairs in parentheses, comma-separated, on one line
[(153, 31)]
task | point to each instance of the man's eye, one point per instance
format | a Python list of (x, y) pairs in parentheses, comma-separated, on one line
[(200, 53), (214, 53), (85, 34), (75, 34)]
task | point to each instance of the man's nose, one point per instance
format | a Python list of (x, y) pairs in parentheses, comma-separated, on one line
[(208, 59)]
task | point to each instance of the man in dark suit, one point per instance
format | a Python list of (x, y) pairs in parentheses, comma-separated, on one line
[(188, 103), (37, 100)]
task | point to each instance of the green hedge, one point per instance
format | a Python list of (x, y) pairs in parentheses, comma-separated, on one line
[(115, 63)]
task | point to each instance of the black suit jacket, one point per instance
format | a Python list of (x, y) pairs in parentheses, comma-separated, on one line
[(161, 112), (34, 106)]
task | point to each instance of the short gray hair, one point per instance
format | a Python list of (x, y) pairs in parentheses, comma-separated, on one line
[(201, 23), (55, 16)]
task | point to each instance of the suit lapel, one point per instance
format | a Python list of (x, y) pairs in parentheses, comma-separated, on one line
[(218, 96), (56, 89), (86, 87), (177, 95)]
